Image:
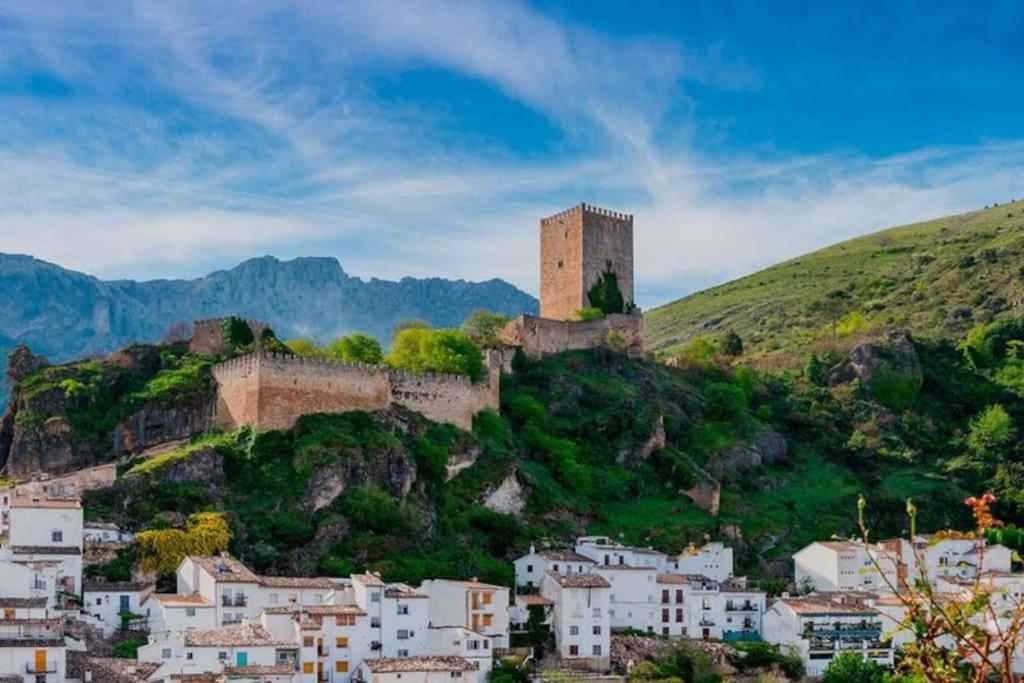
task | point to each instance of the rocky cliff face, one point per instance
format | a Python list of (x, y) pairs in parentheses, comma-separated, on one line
[(65, 314)]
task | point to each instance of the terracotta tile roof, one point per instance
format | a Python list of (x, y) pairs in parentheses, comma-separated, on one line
[(109, 669), (115, 586), (260, 670), (368, 579), (235, 635), (681, 579), (46, 550), (579, 580), (811, 605), (624, 568), (23, 602), (333, 610), (474, 584), (564, 556), (181, 600), (534, 600), (840, 545), (296, 582), (21, 501), (225, 568), (401, 590), (417, 664)]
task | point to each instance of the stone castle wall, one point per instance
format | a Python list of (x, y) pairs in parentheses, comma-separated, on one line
[(206, 335), (576, 247), (271, 391), (539, 337)]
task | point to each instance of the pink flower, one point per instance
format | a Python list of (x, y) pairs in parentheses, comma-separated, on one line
[(970, 501), (988, 498)]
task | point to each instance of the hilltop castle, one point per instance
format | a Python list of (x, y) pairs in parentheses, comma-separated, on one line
[(578, 248)]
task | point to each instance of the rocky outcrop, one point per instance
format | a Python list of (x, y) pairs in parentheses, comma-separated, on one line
[(631, 457), (768, 448), (22, 362), (508, 498), (47, 447), (461, 460), (153, 426), (896, 355), (203, 466)]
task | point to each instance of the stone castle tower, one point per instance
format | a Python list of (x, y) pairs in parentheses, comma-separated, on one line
[(576, 247)]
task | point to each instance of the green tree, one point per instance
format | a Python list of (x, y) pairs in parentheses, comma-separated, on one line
[(732, 344), (205, 533), (409, 324), (304, 346), (236, 333), (482, 327), (445, 351), (851, 667), (605, 294), (991, 431), (357, 348)]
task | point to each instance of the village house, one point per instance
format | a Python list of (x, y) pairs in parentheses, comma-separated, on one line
[(580, 619), (236, 649), (721, 610), (436, 669), (83, 668), (170, 613), (952, 556), (459, 641), (47, 530), (105, 532), (480, 607), (713, 560), (820, 627), (29, 580), (603, 551), (32, 646), (631, 597), (332, 639), (531, 567), (223, 581), (831, 566), (399, 615), (116, 603)]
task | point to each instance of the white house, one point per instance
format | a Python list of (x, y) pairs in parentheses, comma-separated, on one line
[(47, 530), (460, 641), (953, 557), (234, 650), (837, 566), (173, 612), (580, 619), (531, 567), (332, 639), (107, 601), (225, 582), (819, 628), (28, 580), (726, 610), (104, 532), (399, 614), (603, 551), (713, 560), (480, 607), (32, 647), (441, 669), (632, 597)]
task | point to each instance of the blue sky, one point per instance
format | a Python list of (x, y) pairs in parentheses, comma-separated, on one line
[(155, 139)]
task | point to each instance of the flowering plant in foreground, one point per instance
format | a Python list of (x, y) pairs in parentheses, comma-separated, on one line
[(970, 634)]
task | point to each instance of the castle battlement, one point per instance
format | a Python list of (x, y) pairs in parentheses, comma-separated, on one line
[(588, 208)]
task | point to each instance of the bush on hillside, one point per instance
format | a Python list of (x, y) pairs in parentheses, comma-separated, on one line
[(356, 348), (588, 314), (482, 326)]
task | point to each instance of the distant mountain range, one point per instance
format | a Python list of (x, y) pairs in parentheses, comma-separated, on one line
[(63, 314)]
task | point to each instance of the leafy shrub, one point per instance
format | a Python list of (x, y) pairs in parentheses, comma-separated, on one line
[(732, 344), (894, 389), (852, 323), (605, 294), (699, 352), (236, 334), (851, 667), (369, 508), (761, 655), (205, 533), (444, 351), (482, 326), (588, 314), (357, 348), (304, 346), (991, 431), (724, 401)]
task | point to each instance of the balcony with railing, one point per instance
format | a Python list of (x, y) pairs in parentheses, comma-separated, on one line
[(863, 629), (237, 600), (746, 606), (47, 667)]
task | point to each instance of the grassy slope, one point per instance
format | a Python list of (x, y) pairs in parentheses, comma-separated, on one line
[(918, 277)]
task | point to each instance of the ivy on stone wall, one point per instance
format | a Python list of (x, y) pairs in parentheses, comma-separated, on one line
[(606, 295)]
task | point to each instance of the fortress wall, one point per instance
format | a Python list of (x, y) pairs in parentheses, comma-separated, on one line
[(237, 392), (271, 391), (446, 398), (539, 337)]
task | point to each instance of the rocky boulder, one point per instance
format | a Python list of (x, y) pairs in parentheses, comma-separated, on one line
[(896, 354), (508, 498), (767, 448), (21, 363)]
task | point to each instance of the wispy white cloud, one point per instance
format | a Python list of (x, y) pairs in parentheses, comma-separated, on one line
[(200, 134)]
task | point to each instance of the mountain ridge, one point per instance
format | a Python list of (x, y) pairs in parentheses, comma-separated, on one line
[(64, 314)]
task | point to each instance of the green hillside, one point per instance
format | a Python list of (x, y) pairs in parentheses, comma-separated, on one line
[(935, 279)]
